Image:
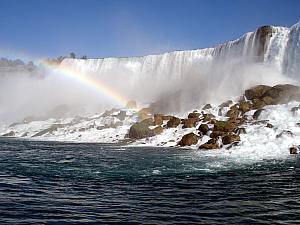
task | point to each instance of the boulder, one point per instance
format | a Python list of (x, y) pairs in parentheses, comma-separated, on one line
[(121, 115), (226, 104), (240, 130), (158, 130), (158, 119), (285, 133), (257, 114), (207, 106), (189, 139), (208, 117), (294, 150), (233, 113), (280, 94), (225, 126), (189, 123), (194, 115), (216, 134), (210, 144), (230, 138), (256, 92), (148, 122), (203, 128), (9, 134), (245, 106), (166, 117), (173, 122), (258, 104), (140, 130), (269, 125)]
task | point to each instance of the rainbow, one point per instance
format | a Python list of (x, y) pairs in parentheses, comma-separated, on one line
[(96, 84)]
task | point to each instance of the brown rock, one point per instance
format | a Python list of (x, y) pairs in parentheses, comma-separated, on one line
[(269, 125), (256, 92), (189, 123), (258, 104), (166, 117), (233, 113), (207, 117), (216, 134), (226, 104), (294, 150), (203, 128), (194, 115), (131, 104), (245, 106), (158, 119), (189, 139), (225, 126), (148, 122), (173, 122), (158, 130), (230, 138), (139, 131), (210, 144)]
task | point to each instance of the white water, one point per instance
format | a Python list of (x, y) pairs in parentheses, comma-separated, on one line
[(226, 69)]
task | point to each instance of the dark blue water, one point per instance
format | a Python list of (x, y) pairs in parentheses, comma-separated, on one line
[(63, 183)]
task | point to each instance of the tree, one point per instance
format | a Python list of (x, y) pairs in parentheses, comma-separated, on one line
[(84, 57), (72, 55)]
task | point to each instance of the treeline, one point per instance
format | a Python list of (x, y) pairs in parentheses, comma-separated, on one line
[(58, 60)]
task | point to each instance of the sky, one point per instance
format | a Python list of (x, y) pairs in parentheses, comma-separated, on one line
[(122, 28)]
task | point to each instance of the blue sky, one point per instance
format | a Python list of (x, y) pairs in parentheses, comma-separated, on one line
[(102, 28)]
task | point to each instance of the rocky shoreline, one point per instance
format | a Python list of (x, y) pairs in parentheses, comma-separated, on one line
[(208, 128)]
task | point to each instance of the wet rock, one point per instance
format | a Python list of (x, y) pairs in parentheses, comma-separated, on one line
[(257, 114), (216, 134), (258, 104), (158, 119), (109, 112), (122, 115), (173, 122), (230, 138), (282, 93), (294, 150), (256, 92), (225, 126), (208, 117), (245, 106), (207, 106), (51, 129), (260, 122), (148, 122), (233, 113), (233, 144), (140, 130), (9, 134), (166, 117), (210, 144), (226, 104), (294, 110), (285, 133), (203, 128), (194, 115), (82, 129), (269, 125), (189, 123), (189, 139), (158, 130), (240, 130)]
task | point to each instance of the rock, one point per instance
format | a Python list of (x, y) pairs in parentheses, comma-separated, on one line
[(210, 144), (282, 93), (9, 134), (216, 134), (189, 139), (257, 114), (194, 115), (294, 110), (140, 130), (294, 150), (245, 106), (207, 117), (230, 138), (233, 113), (240, 130), (258, 104), (158, 130), (286, 133), (256, 92), (82, 129), (173, 122), (148, 122), (269, 125), (117, 124), (225, 126), (166, 117), (122, 115), (189, 123), (233, 144), (131, 104), (158, 119), (203, 128), (226, 104), (268, 100), (207, 106), (109, 112), (51, 129)]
